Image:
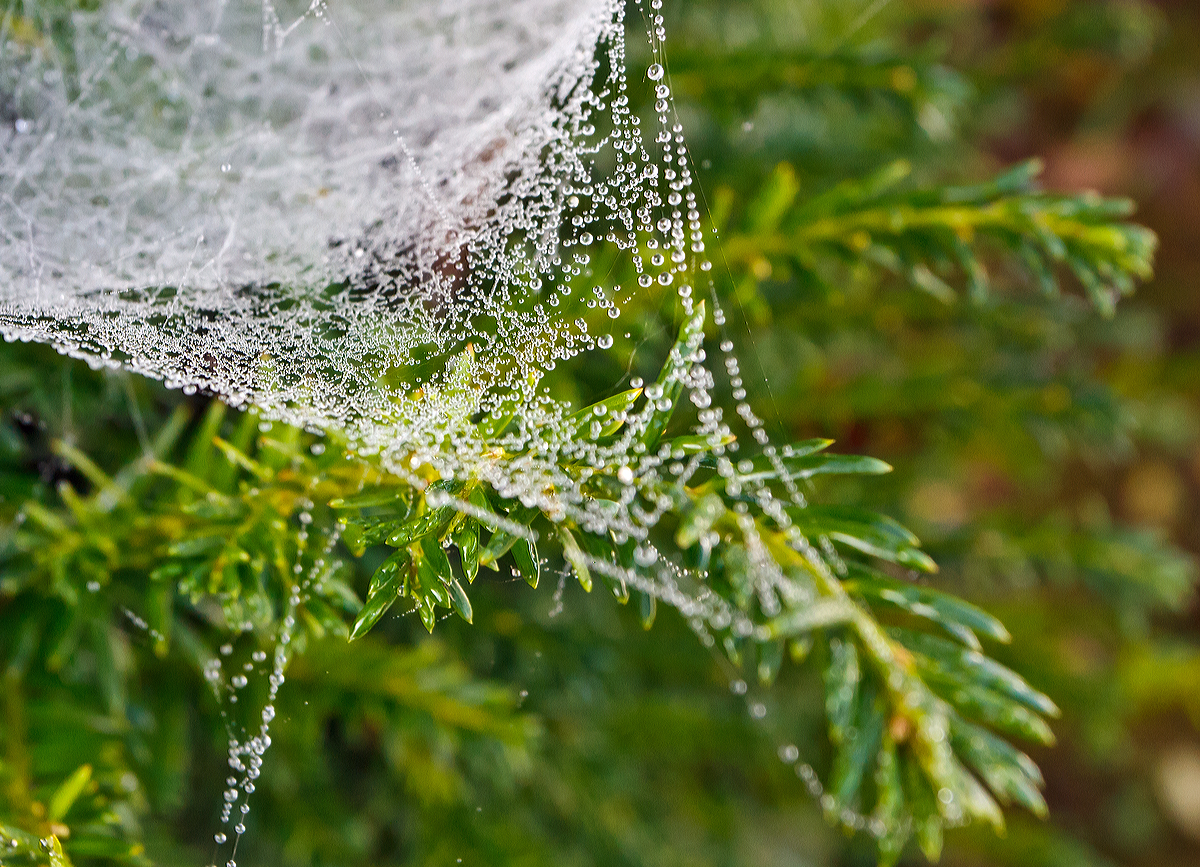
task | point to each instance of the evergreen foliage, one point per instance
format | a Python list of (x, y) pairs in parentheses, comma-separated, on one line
[(148, 536)]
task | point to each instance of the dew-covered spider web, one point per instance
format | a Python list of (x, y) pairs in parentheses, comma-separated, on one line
[(367, 216), (380, 218), (287, 205)]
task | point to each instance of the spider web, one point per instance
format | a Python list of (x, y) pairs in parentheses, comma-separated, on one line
[(367, 216), (286, 214)]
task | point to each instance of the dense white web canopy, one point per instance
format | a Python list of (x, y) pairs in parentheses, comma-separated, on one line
[(288, 205)]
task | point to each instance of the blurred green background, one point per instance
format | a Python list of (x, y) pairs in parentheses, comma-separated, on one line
[(1043, 453), (1047, 456)]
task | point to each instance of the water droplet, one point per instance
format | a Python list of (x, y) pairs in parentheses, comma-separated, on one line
[(655, 72)]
